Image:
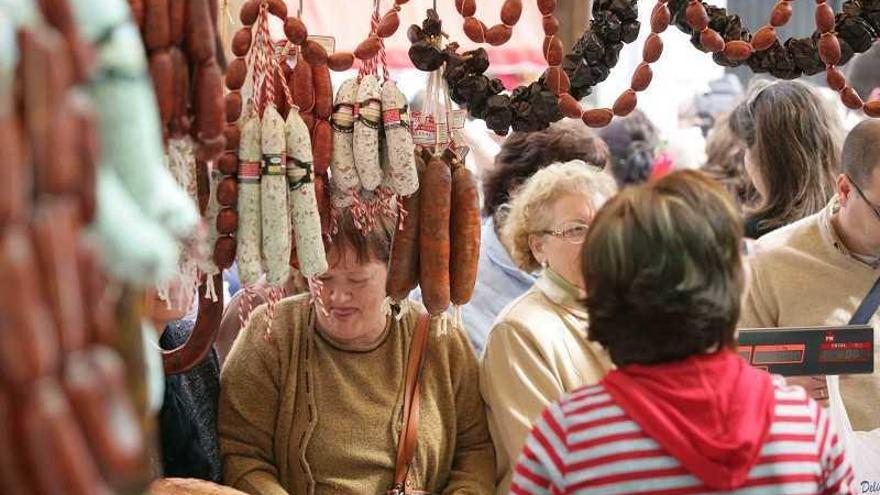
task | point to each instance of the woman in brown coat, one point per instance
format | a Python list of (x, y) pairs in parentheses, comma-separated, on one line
[(312, 403)]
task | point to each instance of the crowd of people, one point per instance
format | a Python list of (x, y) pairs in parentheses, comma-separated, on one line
[(598, 353)]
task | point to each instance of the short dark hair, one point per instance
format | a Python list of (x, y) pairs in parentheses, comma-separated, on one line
[(663, 267), (524, 153), (861, 152), (375, 245)]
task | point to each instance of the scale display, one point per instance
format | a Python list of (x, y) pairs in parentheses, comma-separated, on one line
[(842, 350)]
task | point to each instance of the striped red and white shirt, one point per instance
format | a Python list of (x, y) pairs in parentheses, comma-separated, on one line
[(586, 444)]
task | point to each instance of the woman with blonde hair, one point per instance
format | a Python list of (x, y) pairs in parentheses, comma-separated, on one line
[(537, 349), (793, 140)]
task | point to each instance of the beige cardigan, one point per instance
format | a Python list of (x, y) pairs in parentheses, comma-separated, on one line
[(536, 352), (260, 424), (802, 275)]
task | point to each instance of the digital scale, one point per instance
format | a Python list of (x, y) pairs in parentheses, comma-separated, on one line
[(843, 350)]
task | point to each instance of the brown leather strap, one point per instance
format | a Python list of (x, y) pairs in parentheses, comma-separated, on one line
[(406, 444)]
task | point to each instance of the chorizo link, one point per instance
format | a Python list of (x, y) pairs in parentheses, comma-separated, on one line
[(403, 268), (465, 242), (435, 208)]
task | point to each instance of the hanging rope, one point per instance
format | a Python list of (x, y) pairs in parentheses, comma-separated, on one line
[(262, 53)]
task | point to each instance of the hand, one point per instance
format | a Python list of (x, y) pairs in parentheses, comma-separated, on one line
[(816, 387)]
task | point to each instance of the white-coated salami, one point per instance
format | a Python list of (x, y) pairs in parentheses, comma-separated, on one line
[(366, 133), (249, 238), (343, 174), (400, 173), (273, 198), (304, 216)]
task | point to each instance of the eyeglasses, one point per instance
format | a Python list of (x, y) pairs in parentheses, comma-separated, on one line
[(573, 232), (874, 208)]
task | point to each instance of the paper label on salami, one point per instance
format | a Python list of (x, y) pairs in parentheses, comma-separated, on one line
[(249, 172), (391, 116), (427, 132), (274, 164), (326, 42)]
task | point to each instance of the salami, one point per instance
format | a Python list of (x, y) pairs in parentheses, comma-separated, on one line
[(273, 198), (304, 215), (402, 176), (343, 173), (403, 268), (365, 141), (465, 231), (249, 236), (435, 209)]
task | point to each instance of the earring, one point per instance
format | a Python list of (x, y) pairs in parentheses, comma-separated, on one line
[(545, 264)]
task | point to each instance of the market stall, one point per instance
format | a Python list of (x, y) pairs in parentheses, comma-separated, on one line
[(154, 144)]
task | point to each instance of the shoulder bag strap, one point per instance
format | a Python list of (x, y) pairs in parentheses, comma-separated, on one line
[(406, 445), (868, 307)]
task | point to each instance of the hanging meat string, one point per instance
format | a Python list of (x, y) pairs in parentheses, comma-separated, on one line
[(438, 242), (279, 223)]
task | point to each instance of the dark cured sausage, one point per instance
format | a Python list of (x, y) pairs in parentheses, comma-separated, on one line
[(435, 209), (197, 347), (12, 191), (403, 270), (28, 343), (95, 384), (56, 228), (12, 479), (201, 40), (465, 242), (54, 446)]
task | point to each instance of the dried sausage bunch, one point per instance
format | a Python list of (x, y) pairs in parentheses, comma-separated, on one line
[(312, 93), (438, 244), (181, 40), (856, 27), (68, 424), (275, 162), (372, 162), (496, 35), (314, 53)]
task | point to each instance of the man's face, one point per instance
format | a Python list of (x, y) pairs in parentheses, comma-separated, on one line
[(862, 203)]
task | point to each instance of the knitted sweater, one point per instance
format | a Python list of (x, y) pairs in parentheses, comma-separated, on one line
[(269, 411)]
